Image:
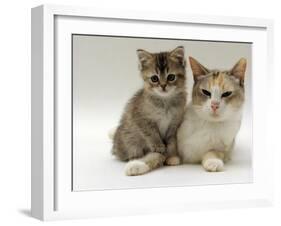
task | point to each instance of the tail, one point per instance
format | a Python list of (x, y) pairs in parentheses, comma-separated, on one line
[(111, 133)]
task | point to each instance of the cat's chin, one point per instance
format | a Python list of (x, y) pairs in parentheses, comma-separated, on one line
[(163, 94), (210, 116), (216, 118), (213, 118)]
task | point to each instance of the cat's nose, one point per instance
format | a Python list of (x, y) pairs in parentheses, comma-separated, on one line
[(215, 105), (164, 86)]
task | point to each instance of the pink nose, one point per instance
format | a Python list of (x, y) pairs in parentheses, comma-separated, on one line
[(215, 105)]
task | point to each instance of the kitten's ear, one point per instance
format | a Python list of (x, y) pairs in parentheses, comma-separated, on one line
[(198, 69), (238, 71), (144, 58), (178, 54)]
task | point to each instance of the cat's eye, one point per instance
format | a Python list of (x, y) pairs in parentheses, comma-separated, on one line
[(206, 92), (226, 94), (171, 77), (154, 78)]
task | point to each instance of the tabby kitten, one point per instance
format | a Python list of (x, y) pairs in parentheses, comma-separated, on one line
[(213, 118), (146, 135)]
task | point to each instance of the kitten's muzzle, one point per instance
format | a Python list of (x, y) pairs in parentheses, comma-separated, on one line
[(163, 87)]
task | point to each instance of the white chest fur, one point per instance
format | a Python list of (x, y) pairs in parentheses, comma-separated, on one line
[(163, 116), (164, 121), (197, 136)]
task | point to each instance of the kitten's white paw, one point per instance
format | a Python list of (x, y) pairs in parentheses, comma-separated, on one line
[(172, 161), (213, 165), (136, 167)]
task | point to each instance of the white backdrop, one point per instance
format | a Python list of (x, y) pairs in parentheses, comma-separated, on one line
[(15, 111), (105, 76)]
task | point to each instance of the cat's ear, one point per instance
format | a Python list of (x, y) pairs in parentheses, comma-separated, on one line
[(144, 58), (239, 69), (178, 54), (198, 69)]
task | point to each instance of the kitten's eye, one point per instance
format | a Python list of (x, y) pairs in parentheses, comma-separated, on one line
[(226, 94), (154, 78), (171, 77), (206, 92)]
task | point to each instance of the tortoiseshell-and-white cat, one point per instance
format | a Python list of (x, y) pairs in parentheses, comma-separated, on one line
[(213, 117)]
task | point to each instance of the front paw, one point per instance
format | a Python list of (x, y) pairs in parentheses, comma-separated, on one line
[(213, 165), (173, 161), (136, 167), (172, 148)]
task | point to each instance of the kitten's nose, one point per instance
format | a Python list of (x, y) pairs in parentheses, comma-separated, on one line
[(215, 105), (164, 86)]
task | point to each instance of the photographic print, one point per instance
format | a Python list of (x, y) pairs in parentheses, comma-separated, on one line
[(150, 112), (131, 108)]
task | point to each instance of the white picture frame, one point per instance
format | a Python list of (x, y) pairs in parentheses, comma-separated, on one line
[(52, 195)]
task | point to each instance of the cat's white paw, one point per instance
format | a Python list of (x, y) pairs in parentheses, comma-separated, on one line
[(213, 165), (172, 161), (136, 167)]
